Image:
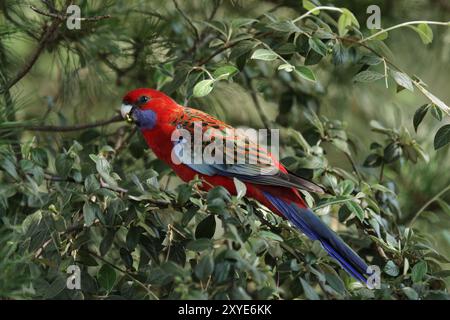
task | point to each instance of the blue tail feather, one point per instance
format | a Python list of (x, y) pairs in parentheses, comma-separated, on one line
[(316, 229)]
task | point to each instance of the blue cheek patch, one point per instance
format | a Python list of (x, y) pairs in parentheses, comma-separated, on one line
[(145, 119)]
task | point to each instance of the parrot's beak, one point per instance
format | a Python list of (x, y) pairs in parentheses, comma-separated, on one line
[(125, 111)]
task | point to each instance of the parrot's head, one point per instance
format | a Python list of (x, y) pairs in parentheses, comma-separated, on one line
[(145, 107)]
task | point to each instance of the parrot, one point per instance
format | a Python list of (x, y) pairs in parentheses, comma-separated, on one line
[(158, 116)]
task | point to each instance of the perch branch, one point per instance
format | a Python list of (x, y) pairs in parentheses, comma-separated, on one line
[(76, 127)]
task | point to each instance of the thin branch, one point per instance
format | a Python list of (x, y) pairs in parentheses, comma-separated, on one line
[(353, 164), (422, 209), (325, 8), (404, 25), (188, 20), (217, 52), (146, 287), (76, 127), (45, 38), (34, 56), (264, 119), (214, 10)]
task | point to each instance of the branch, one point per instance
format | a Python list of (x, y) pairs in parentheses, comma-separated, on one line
[(191, 24), (325, 8), (404, 25), (262, 115), (76, 127), (437, 196), (125, 272), (34, 56)]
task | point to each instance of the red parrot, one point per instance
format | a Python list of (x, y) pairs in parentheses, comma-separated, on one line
[(158, 116)]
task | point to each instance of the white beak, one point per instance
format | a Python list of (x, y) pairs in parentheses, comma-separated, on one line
[(125, 110)]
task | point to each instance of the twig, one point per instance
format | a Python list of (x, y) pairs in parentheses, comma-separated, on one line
[(404, 25), (34, 56), (214, 10), (125, 272), (121, 142), (218, 51), (325, 8), (353, 164), (76, 127), (381, 173), (188, 20), (437, 196), (261, 113)]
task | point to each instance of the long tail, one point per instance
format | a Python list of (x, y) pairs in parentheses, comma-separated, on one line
[(315, 229)]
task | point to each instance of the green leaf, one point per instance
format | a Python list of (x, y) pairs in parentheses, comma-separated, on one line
[(368, 76), (438, 102), (39, 156), (392, 152), (442, 137), (356, 209), (90, 212), (206, 228), (419, 115), (380, 37), (425, 32), (126, 258), (305, 73), (203, 88), (184, 193), (264, 54), (241, 189), (308, 5), (410, 293), (346, 20), (133, 236), (63, 164), (107, 242), (418, 271), (286, 67), (318, 46), (106, 277), (205, 267), (312, 58), (270, 235), (373, 160), (391, 269), (309, 291), (225, 72), (104, 169), (402, 80), (91, 183), (55, 288), (436, 112), (346, 187), (199, 244), (335, 282)]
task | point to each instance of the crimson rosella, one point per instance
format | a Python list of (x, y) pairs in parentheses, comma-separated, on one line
[(158, 117)]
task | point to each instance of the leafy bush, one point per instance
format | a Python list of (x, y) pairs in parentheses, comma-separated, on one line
[(94, 196)]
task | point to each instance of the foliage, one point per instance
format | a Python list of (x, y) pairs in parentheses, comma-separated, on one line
[(94, 196)]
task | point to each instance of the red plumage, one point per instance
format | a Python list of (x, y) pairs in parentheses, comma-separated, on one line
[(158, 117), (158, 139)]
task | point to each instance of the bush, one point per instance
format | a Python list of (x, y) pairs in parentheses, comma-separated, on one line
[(94, 196)]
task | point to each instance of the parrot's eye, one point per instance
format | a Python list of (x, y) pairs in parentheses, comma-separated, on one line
[(143, 99)]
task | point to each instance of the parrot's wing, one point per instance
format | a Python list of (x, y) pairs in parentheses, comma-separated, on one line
[(247, 160)]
